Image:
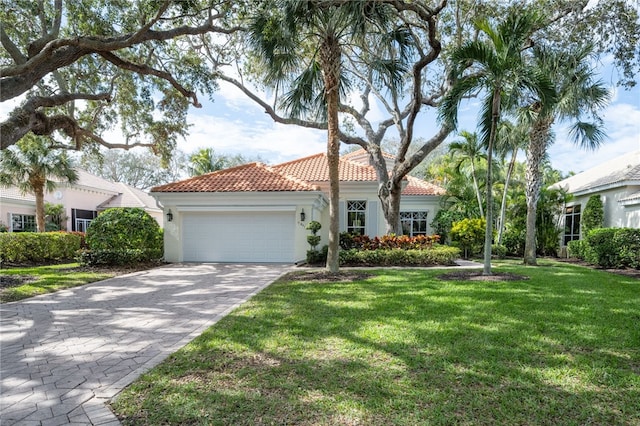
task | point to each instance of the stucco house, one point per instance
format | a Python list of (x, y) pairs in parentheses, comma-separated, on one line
[(259, 213), (617, 182), (83, 201)]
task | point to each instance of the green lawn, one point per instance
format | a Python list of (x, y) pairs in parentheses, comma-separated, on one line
[(406, 348), (47, 279)]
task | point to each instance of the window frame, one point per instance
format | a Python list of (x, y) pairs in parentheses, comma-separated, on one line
[(23, 221), (356, 211), (411, 219), (572, 216)]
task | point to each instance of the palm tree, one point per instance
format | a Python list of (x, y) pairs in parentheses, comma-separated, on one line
[(497, 68), (32, 167), (205, 161), (470, 150), (510, 140), (576, 95), (301, 44)]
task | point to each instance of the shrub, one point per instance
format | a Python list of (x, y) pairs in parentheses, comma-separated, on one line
[(443, 221), (317, 257), (514, 240), (123, 235), (313, 255), (387, 242), (469, 234), (602, 249), (593, 215), (627, 241), (437, 255), (577, 249), (38, 247), (498, 251)]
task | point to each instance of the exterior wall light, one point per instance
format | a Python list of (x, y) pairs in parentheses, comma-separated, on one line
[(303, 216), (169, 216)]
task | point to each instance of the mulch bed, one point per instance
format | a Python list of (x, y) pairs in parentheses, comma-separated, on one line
[(327, 277), (8, 281)]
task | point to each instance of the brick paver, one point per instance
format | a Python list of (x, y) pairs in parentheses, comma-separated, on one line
[(64, 355)]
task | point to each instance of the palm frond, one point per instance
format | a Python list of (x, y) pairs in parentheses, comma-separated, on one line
[(587, 135)]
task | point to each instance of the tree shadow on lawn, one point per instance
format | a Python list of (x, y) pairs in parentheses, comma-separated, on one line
[(405, 348)]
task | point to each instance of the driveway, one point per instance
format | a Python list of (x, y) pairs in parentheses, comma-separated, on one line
[(64, 355)]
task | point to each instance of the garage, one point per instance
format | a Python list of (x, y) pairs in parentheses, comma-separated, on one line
[(238, 236)]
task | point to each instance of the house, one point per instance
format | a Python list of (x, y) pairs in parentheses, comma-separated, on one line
[(83, 201), (618, 184), (259, 213)]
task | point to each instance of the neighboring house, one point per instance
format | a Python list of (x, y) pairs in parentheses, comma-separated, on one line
[(259, 213), (618, 184), (83, 201)]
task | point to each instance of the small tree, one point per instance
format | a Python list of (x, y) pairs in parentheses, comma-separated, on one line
[(55, 217), (469, 234), (593, 215), (313, 255)]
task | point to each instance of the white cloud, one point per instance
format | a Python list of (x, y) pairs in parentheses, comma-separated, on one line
[(273, 142), (622, 125)]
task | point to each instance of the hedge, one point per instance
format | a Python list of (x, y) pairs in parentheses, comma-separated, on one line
[(38, 247), (437, 255), (609, 248)]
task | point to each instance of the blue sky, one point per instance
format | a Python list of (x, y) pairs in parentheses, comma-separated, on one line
[(234, 124)]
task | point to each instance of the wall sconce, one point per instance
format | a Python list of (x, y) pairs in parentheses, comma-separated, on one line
[(169, 216), (303, 216)]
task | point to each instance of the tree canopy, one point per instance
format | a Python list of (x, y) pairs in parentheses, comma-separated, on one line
[(82, 67)]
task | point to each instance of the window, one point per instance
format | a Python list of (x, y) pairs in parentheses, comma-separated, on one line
[(356, 212), (414, 223), (23, 223), (81, 219), (571, 223)]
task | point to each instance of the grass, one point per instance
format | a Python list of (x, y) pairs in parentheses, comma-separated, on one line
[(47, 279), (405, 348)]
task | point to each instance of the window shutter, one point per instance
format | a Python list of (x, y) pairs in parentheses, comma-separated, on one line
[(342, 215), (372, 219)]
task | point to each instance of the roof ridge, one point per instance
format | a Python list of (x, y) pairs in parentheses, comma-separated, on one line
[(292, 178), (203, 176), (287, 163)]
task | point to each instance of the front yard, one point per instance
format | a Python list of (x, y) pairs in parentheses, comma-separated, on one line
[(405, 347)]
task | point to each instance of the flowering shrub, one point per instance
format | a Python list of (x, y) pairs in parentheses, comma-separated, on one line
[(387, 242)]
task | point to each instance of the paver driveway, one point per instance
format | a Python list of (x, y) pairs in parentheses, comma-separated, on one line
[(63, 355)]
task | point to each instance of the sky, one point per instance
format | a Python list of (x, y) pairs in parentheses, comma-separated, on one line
[(234, 124)]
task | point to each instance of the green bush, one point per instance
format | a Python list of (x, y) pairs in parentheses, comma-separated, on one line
[(602, 250), (391, 241), (627, 241), (123, 235), (469, 235), (116, 257), (498, 251), (577, 249), (514, 240), (593, 215), (438, 255), (38, 247), (317, 257)]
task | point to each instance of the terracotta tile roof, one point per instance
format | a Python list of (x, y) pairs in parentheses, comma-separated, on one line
[(316, 169), (252, 177), (417, 186)]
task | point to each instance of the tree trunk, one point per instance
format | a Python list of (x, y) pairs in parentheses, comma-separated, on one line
[(476, 187), (503, 204), (535, 155), (488, 234), (390, 201), (330, 60), (39, 193)]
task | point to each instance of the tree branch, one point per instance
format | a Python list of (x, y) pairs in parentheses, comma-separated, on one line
[(11, 48), (146, 70), (269, 109)]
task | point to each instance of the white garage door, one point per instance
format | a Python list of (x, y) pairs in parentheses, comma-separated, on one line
[(238, 237)]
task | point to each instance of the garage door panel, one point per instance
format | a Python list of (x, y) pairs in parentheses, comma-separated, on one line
[(238, 237)]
